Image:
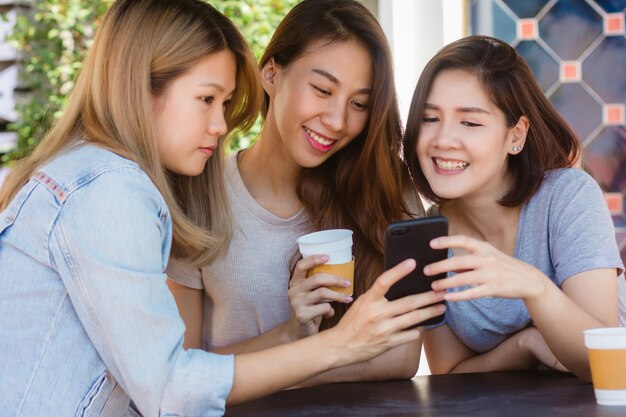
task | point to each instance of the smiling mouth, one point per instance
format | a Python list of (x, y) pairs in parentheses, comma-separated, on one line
[(450, 165), (325, 142)]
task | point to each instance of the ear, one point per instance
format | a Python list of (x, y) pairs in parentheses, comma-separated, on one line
[(518, 134), (268, 75)]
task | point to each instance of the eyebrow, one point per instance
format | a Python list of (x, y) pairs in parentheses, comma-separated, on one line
[(460, 109), (217, 86), (334, 80)]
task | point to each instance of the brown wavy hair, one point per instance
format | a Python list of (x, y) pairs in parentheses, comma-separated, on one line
[(509, 83), (362, 187), (140, 48)]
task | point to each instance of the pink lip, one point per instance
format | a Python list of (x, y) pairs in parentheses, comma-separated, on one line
[(207, 150), (316, 145)]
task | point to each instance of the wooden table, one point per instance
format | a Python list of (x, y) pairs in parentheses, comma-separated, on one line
[(501, 394)]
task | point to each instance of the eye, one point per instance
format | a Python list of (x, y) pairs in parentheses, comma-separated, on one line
[(470, 124), (360, 106), (207, 99), (227, 103), (321, 90), (430, 119)]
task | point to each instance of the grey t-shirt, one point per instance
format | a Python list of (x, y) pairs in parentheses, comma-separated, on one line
[(246, 290), (564, 229)]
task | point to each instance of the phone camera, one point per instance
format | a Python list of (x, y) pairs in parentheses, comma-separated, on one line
[(401, 231)]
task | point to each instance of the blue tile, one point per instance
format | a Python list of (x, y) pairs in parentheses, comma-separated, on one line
[(569, 27), (580, 110), (605, 69), (525, 8), (612, 6), (488, 18), (605, 159), (544, 67)]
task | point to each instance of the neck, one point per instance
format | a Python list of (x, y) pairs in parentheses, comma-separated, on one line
[(270, 174), (487, 221)]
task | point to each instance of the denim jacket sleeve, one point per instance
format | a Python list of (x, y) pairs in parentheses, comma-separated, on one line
[(110, 245)]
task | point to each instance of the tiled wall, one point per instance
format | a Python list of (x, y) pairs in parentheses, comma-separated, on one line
[(577, 51)]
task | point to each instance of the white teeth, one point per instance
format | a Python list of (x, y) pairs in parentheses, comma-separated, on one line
[(451, 165), (317, 138)]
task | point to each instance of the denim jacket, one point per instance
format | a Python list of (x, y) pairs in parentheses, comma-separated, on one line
[(86, 320)]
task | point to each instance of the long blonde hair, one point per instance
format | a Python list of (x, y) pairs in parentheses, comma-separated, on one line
[(140, 48)]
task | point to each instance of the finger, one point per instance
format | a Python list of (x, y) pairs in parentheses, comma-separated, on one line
[(471, 278), (469, 294), (310, 313), (456, 241), (405, 336), (414, 317), (324, 295), (327, 280), (414, 302), (454, 264), (303, 265), (390, 277)]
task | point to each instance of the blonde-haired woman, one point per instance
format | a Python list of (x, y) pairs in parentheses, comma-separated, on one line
[(87, 323)]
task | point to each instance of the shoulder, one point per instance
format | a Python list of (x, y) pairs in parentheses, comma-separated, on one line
[(90, 167), (566, 184)]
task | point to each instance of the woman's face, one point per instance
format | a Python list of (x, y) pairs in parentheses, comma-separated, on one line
[(464, 140), (320, 102), (189, 115)]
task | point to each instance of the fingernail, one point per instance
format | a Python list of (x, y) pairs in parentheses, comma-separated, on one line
[(346, 283), (441, 294), (323, 258), (349, 299), (434, 286), (434, 243), (427, 270)]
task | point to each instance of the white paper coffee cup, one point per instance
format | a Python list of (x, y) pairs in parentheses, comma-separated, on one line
[(607, 360), (336, 243)]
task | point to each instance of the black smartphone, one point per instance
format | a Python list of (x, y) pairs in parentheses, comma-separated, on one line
[(410, 239)]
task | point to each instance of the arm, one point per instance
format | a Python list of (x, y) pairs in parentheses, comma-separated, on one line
[(190, 308), (400, 362), (523, 350), (588, 299), (296, 327), (372, 326)]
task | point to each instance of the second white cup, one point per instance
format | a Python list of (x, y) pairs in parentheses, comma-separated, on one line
[(336, 243)]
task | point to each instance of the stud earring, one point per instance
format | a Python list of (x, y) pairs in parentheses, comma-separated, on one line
[(518, 148)]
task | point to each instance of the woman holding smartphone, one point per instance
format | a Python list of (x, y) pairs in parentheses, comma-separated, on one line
[(535, 261), (327, 157), (87, 323)]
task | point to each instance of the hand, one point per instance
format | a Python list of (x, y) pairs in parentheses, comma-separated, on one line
[(310, 299), (373, 324), (531, 340), (489, 272)]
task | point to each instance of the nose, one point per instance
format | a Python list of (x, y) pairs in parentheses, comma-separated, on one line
[(334, 118), (217, 125), (445, 135)]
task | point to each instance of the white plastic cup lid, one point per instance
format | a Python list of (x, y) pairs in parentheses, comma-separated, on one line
[(606, 338), (336, 243)]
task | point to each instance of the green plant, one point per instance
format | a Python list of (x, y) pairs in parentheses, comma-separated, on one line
[(53, 41)]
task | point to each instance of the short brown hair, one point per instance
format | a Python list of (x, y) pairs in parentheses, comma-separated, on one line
[(509, 83)]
